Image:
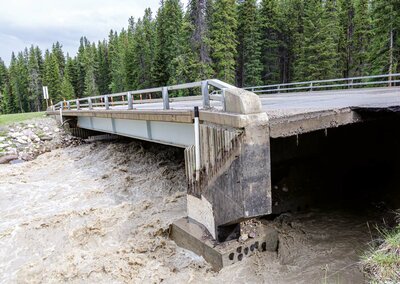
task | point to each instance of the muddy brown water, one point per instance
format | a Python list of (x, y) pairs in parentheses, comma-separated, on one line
[(100, 213)]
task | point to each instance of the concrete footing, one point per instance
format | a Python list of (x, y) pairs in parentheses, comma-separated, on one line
[(193, 236)]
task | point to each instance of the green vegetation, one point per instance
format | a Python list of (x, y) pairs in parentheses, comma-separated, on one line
[(18, 117), (244, 42), (382, 264)]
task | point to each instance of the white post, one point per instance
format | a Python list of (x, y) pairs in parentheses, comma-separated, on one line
[(197, 141)]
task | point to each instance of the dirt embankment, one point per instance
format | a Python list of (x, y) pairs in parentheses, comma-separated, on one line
[(100, 213)]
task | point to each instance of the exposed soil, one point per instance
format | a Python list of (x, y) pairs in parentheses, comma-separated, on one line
[(100, 213)]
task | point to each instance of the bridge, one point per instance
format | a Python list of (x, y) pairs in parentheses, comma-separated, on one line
[(226, 134)]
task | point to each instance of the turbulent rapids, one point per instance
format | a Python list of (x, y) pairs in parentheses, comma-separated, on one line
[(100, 212)]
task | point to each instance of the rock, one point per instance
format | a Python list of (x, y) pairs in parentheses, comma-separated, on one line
[(28, 133), (8, 158), (2, 139), (22, 140), (243, 237), (25, 156), (45, 128), (46, 138), (17, 161)]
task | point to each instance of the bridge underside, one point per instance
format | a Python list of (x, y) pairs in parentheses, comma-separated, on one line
[(353, 167)]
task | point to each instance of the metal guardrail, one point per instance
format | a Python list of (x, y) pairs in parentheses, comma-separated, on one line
[(127, 98), (390, 80)]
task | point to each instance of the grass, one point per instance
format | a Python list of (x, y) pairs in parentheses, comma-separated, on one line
[(382, 263), (18, 117)]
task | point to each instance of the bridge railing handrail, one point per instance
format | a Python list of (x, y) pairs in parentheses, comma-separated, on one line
[(126, 98), (321, 84)]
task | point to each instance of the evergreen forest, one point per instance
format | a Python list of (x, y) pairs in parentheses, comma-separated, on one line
[(245, 43)]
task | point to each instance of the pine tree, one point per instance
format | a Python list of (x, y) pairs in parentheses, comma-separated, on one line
[(384, 53), (144, 51), (291, 26), (271, 41), (223, 41), (196, 32), (116, 61), (103, 72), (52, 78), (58, 52), (249, 55), (80, 68), (67, 90), (3, 73), (361, 38), (8, 101), (91, 88), (128, 56), (19, 80), (3, 87), (318, 53), (346, 33), (168, 41), (35, 81), (71, 70)]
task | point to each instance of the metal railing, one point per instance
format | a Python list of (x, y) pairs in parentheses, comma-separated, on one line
[(126, 99), (343, 83)]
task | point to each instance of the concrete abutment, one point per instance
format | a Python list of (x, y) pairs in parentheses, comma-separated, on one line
[(233, 182)]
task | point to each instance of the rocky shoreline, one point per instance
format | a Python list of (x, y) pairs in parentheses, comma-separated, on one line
[(24, 141)]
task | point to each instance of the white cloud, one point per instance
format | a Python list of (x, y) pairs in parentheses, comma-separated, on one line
[(43, 22)]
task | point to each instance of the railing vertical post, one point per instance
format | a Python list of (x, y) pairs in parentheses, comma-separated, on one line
[(78, 105), (223, 99), (68, 105), (351, 83), (197, 142), (106, 102), (165, 98), (205, 94), (279, 89), (311, 86), (130, 101), (90, 103)]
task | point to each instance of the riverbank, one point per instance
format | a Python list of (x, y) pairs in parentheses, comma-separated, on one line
[(382, 262), (24, 140)]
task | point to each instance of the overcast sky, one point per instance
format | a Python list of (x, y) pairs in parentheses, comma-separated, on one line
[(43, 22)]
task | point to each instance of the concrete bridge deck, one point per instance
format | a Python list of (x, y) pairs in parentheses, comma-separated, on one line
[(288, 113)]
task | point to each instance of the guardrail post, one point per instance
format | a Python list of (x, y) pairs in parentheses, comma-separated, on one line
[(68, 105), (223, 99), (78, 105), (90, 103), (106, 102), (279, 89), (311, 86), (130, 101), (205, 94), (165, 98), (351, 83)]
